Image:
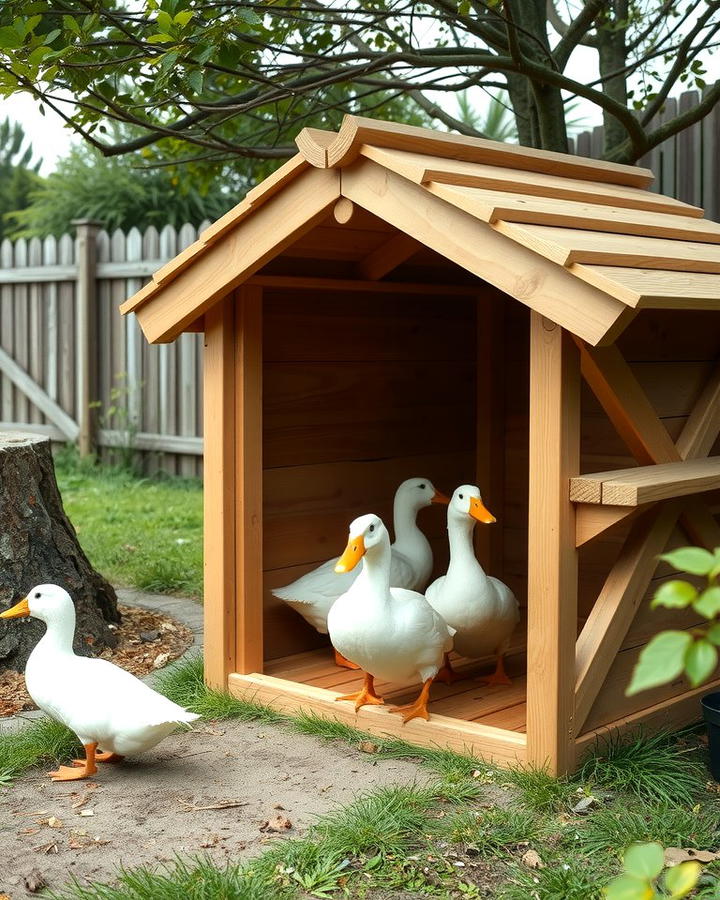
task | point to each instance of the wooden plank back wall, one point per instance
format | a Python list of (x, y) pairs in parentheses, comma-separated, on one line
[(360, 392)]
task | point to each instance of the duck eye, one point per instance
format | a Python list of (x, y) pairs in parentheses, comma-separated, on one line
[(372, 528), (422, 487), (37, 595), (460, 497)]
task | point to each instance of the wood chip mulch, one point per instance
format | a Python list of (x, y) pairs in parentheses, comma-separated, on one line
[(146, 641)]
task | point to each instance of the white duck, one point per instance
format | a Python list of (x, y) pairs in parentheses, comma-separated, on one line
[(392, 633), (104, 705), (314, 593), (481, 608)]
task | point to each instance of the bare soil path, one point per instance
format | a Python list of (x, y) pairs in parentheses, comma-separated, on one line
[(175, 800)]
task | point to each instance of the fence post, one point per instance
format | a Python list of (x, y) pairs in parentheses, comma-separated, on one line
[(86, 331)]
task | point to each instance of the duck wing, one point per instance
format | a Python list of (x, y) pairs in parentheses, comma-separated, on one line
[(402, 574)]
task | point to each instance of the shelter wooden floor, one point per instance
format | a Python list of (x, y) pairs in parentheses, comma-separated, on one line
[(467, 698)]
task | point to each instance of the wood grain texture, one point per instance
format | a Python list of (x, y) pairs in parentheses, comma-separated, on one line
[(552, 558), (480, 249), (493, 744), (648, 484), (248, 480), (219, 495), (644, 288)]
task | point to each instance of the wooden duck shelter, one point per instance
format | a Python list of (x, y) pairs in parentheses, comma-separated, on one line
[(397, 302)]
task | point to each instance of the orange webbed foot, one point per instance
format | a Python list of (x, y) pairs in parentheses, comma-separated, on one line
[(340, 660), (447, 674), (366, 695), (72, 773), (418, 709), (498, 677), (101, 757)]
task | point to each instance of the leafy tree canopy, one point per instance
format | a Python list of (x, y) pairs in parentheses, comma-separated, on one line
[(216, 79), (18, 171)]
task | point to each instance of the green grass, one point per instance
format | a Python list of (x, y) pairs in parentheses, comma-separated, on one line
[(540, 791), (653, 767), (495, 831), (42, 742), (138, 532)]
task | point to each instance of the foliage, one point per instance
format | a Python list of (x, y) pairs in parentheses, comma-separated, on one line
[(644, 864), (18, 172), (139, 532), (43, 741), (694, 653), (119, 193), (228, 79), (652, 767)]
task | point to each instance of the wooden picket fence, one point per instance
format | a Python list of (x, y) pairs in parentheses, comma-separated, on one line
[(73, 368), (64, 346)]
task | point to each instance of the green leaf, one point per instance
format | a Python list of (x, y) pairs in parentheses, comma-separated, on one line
[(627, 887), (195, 79), (662, 660), (164, 20), (182, 18), (708, 603), (713, 634), (674, 595), (644, 860), (70, 23), (700, 662), (694, 560), (680, 880), (9, 39)]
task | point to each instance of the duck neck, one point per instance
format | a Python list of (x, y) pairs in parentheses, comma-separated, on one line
[(462, 551), (375, 573), (58, 637), (409, 540)]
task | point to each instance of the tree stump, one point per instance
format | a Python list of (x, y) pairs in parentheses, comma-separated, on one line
[(38, 545)]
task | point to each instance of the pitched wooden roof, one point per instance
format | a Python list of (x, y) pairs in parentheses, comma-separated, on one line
[(582, 241)]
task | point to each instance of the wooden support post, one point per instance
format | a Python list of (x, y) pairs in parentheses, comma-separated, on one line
[(86, 332), (552, 557), (490, 426), (248, 484), (219, 493)]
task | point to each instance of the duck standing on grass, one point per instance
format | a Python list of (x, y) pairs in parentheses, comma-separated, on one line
[(103, 704), (481, 608), (411, 561), (391, 633)]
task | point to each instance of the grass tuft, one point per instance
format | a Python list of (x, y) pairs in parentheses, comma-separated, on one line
[(653, 767), (614, 828), (44, 741), (538, 790), (494, 831), (183, 683), (559, 880), (196, 878)]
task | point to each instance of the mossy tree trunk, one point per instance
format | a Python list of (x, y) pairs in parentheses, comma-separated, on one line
[(38, 545)]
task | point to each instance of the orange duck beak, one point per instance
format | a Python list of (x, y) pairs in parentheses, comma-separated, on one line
[(15, 612), (437, 497), (479, 512), (352, 555)]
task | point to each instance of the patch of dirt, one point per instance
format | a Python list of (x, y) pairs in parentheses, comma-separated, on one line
[(225, 789), (147, 640)]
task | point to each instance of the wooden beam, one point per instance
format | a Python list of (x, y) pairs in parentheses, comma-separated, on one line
[(490, 424), (626, 405), (647, 484), (703, 425), (38, 397), (222, 266), (592, 520), (667, 715), (248, 482), (614, 610), (311, 283), (492, 744), (478, 248), (652, 288), (388, 256), (552, 557), (219, 493), (343, 211)]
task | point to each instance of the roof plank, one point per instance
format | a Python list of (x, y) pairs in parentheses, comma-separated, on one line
[(654, 288), (422, 168), (479, 249), (492, 206), (358, 130), (288, 215), (569, 245)]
